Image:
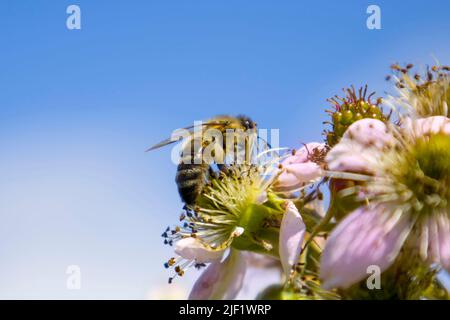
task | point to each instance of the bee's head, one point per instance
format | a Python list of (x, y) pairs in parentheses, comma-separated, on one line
[(246, 122)]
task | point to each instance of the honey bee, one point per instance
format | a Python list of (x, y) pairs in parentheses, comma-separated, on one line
[(191, 177)]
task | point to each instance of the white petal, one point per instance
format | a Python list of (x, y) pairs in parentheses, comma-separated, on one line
[(221, 280), (192, 249), (292, 233)]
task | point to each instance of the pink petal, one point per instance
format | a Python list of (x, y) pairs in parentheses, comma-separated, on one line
[(298, 170), (262, 261), (367, 236), (434, 124), (359, 147), (297, 174), (287, 180), (433, 241), (305, 171), (192, 249), (351, 162), (292, 233), (346, 149), (221, 280), (302, 154), (443, 244), (369, 132)]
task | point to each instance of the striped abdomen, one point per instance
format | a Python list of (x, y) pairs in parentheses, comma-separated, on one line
[(190, 180)]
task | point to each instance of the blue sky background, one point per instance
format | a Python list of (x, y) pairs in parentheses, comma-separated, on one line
[(78, 108)]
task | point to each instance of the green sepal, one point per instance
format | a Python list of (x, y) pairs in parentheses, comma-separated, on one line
[(256, 231)]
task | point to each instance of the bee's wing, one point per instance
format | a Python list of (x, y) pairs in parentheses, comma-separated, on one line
[(161, 144), (190, 128)]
